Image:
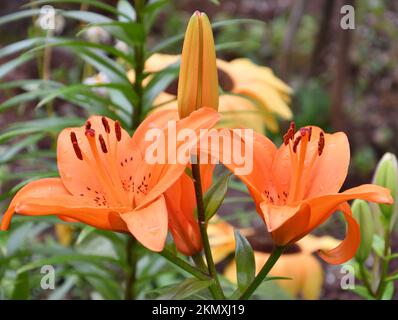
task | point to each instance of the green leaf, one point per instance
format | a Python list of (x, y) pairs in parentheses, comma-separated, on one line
[(129, 32), (66, 259), (86, 231), (245, 263), (175, 39), (277, 278), (80, 44), (19, 15), (215, 196), (392, 278), (159, 82), (362, 292), (24, 97), (48, 125), (8, 154), (388, 291), (378, 245), (91, 3), (125, 7), (21, 289), (19, 46), (7, 67), (185, 289)]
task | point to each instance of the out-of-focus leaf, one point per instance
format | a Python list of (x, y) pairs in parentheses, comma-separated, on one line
[(53, 125), (245, 263), (8, 154), (154, 5), (362, 292), (215, 196), (59, 293), (19, 46), (159, 82), (129, 32), (21, 289), (185, 289), (388, 291), (378, 245), (91, 3), (69, 258), (79, 44), (22, 235), (219, 24), (128, 10), (86, 231), (7, 67)]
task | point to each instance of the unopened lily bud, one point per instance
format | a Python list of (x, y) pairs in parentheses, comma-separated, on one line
[(198, 80), (386, 175), (363, 216)]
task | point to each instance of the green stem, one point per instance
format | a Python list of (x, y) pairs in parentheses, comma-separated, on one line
[(131, 255), (129, 293), (139, 67), (365, 279), (276, 253), (184, 265), (218, 293), (385, 264), (199, 262)]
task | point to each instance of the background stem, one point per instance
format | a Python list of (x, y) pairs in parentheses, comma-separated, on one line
[(131, 258), (139, 68)]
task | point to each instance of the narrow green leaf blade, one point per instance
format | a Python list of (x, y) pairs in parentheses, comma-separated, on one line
[(245, 263)]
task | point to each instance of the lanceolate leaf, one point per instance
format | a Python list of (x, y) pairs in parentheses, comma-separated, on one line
[(185, 289), (245, 263), (215, 196)]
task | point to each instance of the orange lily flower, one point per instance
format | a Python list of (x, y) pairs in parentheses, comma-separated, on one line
[(105, 181), (296, 187)]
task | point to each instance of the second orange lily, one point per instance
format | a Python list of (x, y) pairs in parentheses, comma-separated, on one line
[(296, 187)]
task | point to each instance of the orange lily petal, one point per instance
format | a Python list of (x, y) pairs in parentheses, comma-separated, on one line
[(40, 188), (82, 177), (149, 224), (164, 175), (328, 171), (49, 197), (158, 119), (322, 207), (285, 221), (349, 246), (181, 203)]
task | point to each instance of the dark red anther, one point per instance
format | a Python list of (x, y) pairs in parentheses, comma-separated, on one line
[(102, 143), (118, 131), (289, 134), (309, 133), (88, 125), (90, 133), (296, 143), (105, 123), (75, 145), (321, 143)]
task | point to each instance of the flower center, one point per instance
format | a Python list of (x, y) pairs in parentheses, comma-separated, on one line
[(301, 161), (108, 175)]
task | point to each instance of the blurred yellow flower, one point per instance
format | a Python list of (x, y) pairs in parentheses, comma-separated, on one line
[(252, 95), (301, 266), (64, 234)]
